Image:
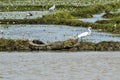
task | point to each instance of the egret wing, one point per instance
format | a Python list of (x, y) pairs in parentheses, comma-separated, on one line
[(83, 34)]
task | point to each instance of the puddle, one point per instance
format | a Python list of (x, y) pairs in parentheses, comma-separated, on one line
[(52, 33)]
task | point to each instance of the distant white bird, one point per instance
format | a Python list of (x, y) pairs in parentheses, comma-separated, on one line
[(84, 34), (29, 14), (52, 8), (1, 31), (114, 26)]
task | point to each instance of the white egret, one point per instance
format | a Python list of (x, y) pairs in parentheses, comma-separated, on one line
[(52, 8), (114, 26), (84, 34)]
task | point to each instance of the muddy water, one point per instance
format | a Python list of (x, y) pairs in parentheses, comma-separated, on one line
[(59, 66), (52, 33)]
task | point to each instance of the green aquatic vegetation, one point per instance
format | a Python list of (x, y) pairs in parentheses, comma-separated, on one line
[(13, 45), (75, 9), (114, 20), (84, 46), (98, 8), (60, 15), (111, 15), (23, 8), (108, 46), (108, 15), (49, 2), (82, 12), (68, 45), (73, 45), (105, 22)]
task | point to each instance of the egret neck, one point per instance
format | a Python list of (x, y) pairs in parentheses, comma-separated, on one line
[(89, 29), (54, 5)]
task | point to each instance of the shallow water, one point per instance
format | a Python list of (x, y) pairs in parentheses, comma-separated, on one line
[(97, 17), (59, 66), (52, 33), (94, 18), (22, 15)]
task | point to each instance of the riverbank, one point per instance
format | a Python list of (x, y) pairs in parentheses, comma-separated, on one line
[(14, 45), (68, 45)]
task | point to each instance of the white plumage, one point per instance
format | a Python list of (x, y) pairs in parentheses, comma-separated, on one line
[(52, 8), (84, 33), (114, 25)]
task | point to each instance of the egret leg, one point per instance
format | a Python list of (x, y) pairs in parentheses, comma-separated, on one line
[(2, 35), (81, 39), (77, 39)]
